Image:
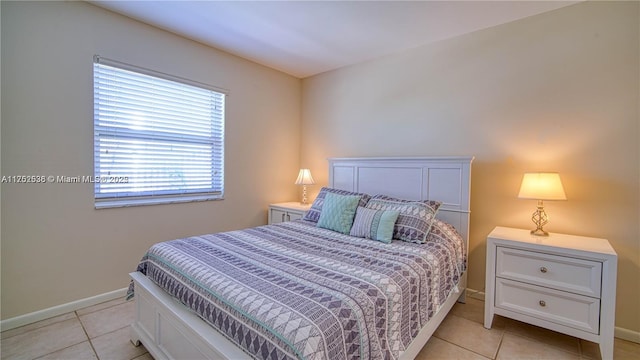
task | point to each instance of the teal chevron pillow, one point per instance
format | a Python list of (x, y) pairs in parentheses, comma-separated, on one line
[(337, 212), (374, 224), (316, 208)]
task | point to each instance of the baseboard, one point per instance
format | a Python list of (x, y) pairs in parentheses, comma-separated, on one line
[(620, 333), (35, 316), (476, 294), (626, 334)]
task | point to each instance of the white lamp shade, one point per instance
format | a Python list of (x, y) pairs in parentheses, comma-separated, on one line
[(542, 186), (304, 177)]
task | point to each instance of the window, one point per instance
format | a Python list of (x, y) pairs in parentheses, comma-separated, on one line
[(157, 138)]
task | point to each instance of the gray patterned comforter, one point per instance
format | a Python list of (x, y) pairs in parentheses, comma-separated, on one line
[(292, 290)]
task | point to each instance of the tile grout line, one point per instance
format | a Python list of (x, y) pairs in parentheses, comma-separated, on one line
[(87, 335), (55, 351), (107, 333), (85, 330), (66, 347), (104, 308), (58, 321), (128, 342), (499, 344), (464, 348), (518, 335), (534, 339), (34, 328), (495, 357)]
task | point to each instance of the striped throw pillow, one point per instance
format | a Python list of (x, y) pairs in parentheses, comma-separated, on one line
[(374, 224)]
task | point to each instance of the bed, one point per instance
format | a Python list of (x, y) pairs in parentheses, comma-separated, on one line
[(298, 290)]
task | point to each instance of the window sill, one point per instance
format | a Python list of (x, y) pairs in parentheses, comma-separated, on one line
[(128, 202)]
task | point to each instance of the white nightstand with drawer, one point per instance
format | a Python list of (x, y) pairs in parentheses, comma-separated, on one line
[(561, 282), (287, 211)]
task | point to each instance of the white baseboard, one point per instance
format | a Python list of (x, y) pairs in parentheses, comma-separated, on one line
[(35, 316), (479, 295), (626, 334), (620, 333)]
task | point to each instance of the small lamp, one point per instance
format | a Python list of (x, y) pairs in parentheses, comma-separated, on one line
[(304, 179), (541, 186)]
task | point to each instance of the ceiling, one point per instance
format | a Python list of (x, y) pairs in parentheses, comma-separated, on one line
[(304, 38)]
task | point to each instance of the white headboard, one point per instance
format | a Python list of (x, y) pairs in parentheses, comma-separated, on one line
[(446, 179)]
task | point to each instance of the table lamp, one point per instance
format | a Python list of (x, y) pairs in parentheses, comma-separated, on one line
[(541, 186), (304, 179)]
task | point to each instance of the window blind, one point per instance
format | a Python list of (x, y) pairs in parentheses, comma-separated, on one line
[(155, 139)]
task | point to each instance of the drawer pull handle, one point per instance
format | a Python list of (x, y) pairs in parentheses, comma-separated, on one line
[(542, 303), (543, 270)]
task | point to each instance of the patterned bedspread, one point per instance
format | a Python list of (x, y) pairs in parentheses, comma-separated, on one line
[(292, 290)]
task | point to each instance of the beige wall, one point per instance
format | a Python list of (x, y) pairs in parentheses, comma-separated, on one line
[(55, 247), (554, 92)]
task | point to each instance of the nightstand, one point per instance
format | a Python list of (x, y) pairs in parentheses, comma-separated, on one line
[(287, 211), (560, 282)]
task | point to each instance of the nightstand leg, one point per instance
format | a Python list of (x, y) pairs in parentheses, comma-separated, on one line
[(488, 311), (606, 350), (488, 318), (490, 284)]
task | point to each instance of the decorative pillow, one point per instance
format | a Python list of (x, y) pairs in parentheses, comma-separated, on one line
[(313, 214), (374, 224), (337, 212), (415, 219)]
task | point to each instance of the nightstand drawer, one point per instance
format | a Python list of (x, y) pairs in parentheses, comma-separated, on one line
[(576, 311), (289, 211), (558, 272), (278, 216)]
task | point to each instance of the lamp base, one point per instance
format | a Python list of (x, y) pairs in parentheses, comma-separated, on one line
[(539, 217), (539, 232)]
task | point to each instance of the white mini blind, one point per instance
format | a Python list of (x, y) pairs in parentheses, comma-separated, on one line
[(156, 139)]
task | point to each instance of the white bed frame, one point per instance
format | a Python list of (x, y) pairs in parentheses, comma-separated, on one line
[(169, 330)]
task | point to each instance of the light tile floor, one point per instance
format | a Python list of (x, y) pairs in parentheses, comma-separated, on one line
[(96, 332), (102, 332)]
